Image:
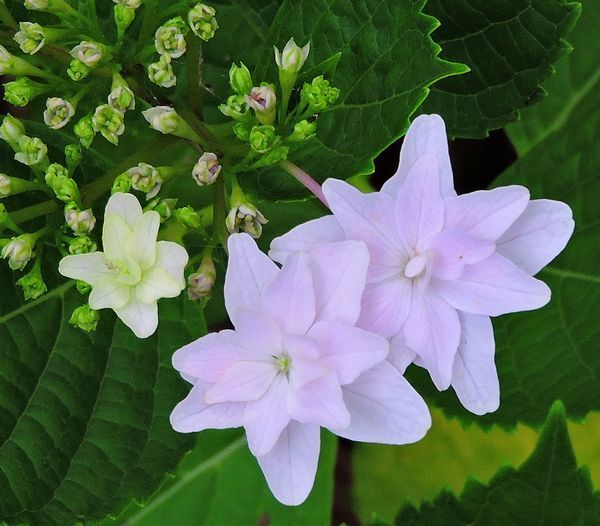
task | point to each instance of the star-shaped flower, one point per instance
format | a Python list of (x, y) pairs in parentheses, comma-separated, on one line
[(295, 362), (441, 264), (134, 270)]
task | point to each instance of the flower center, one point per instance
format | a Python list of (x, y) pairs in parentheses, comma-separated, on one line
[(415, 266), (283, 363), (130, 272)]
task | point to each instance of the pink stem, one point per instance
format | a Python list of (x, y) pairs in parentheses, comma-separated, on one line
[(305, 179)]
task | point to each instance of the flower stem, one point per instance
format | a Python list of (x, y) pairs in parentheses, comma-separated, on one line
[(220, 233), (305, 179), (195, 64), (6, 18)]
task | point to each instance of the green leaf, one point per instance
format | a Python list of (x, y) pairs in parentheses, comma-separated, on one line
[(84, 422), (548, 489), (387, 62), (577, 75), (510, 47), (220, 482)]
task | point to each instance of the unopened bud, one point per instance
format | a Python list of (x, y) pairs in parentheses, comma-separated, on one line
[(73, 156), (169, 38), (319, 94), (132, 4), (81, 245), (81, 222), (11, 130), (247, 218), (83, 287), (161, 72), (64, 187), (84, 131), (207, 169), (240, 79), (201, 282), (188, 217), (273, 156), (31, 37), (123, 17), (58, 112), (90, 53), (19, 251), (203, 22), (122, 183), (290, 62), (145, 178), (78, 70), (5, 185), (303, 130), (263, 101), (164, 208), (32, 283), (37, 5), (242, 131), (263, 138), (85, 318), (109, 122), (22, 91), (162, 118), (32, 151)]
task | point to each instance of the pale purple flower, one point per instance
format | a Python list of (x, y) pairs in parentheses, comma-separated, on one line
[(296, 362), (441, 264)]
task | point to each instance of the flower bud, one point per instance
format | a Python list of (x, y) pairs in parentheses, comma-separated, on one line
[(207, 169), (263, 101), (6, 223), (81, 245), (5, 185), (203, 22), (121, 98), (273, 156), (36, 5), (263, 138), (201, 282), (31, 38), (77, 70), (84, 131), (145, 178), (85, 318), (64, 188), (236, 107), (73, 156), (162, 118), (81, 222), (58, 112), (169, 38), (303, 130), (242, 131), (109, 122), (83, 287), (22, 91), (240, 79), (90, 53), (188, 217), (31, 151), (132, 4), (11, 130), (161, 72), (319, 94), (292, 58), (164, 207), (122, 183), (55, 171), (33, 283), (247, 218), (123, 17), (19, 251)]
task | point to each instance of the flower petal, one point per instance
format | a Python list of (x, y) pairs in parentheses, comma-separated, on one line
[(116, 238), (486, 214), (493, 287), (290, 298), (432, 330), (194, 414), (291, 465), (249, 272), (400, 355), (257, 333), (140, 317), (243, 382), (349, 351), (384, 408), (426, 136), (126, 206), (142, 244), (267, 417), (303, 237), (86, 267), (108, 293), (538, 235), (156, 283), (474, 376), (172, 258)]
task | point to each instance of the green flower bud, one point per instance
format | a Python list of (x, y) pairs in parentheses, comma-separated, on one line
[(207, 169), (58, 112), (123, 17), (84, 131), (90, 53), (188, 217), (31, 37), (202, 20), (303, 130), (109, 122), (6, 222), (22, 91), (19, 251), (81, 245), (240, 79), (55, 171), (131, 4), (37, 5), (32, 151), (82, 287), (122, 183), (319, 94), (5, 185), (12, 130), (273, 156), (162, 118), (73, 156), (164, 208), (161, 72), (169, 38), (236, 107), (263, 138), (81, 222), (247, 218), (33, 283), (242, 131), (64, 187), (263, 101), (77, 70), (85, 318), (201, 282), (145, 178)]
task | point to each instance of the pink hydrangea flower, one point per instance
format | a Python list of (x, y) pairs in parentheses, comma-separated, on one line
[(441, 264), (296, 362)]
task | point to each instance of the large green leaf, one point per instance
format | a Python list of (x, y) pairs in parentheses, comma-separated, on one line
[(84, 417), (577, 75), (548, 489), (387, 62), (510, 46)]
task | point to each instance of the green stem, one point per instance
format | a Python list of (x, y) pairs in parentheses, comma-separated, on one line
[(220, 232), (195, 64), (149, 23), (6, 17), (31, 212)]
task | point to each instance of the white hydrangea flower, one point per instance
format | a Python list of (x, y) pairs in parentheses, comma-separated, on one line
[(31, 37), (135, 270), (90, 53), (58, 112)]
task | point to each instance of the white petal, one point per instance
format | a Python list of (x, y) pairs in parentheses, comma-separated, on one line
[(257, 333), (193, 414), (243, 382), (486, 214), (172, 258), (142, 245), (426, 136), (126, 206), (156, 283), (384, 408), (303, 237), (116, 238), (538, 235), (400, 355), (267, 417), (86, 267), (291, 466), (474, 376), (140, 317), (108, 293), (249, 272)]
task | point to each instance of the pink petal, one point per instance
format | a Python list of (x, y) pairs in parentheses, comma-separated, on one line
[(258, 333), (474, 376), (267, 417), (305, 363), (243, 382), (432, 330), (291, 466), (384, 408), (303, 237), (194, 414), (419, 207), (249, 272), (426, 136), (290, 298), (538, 235), (486, 214), (400, 355), (320, 402), (339, 272), (493, 287), (349, 351)]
